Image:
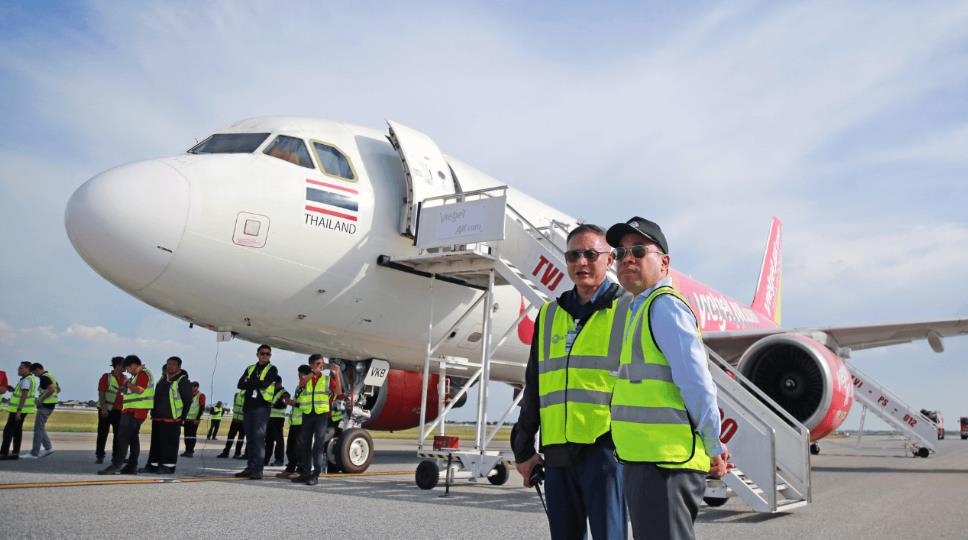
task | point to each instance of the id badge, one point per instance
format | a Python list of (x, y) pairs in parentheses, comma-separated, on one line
[(570, 339), (255, 393)]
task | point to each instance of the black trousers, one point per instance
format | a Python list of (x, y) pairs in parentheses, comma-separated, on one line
[(213, 429), (13, 432), (314, 442), (105, 424), (294, 449), (235, 428), (275, 439), (164, 443), (127, 438), (191, 432), (255, 420)]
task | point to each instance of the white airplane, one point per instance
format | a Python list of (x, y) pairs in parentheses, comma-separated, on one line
[(287, 230)]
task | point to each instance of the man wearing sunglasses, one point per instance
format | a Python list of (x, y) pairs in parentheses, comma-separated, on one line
[(568, 384), (665, 417), (258, 382)]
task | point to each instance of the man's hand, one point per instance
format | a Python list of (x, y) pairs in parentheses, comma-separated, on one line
[(720, 465), (103, 413), (527, 466)]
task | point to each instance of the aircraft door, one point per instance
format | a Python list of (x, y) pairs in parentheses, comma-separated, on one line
[(426, 172)]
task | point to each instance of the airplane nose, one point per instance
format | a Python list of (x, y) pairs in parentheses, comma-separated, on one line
[(126, 223)]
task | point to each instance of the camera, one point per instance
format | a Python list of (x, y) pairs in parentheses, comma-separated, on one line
[(537, 475)]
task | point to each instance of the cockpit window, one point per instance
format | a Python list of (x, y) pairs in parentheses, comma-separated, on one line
[(229, 143), (333, 161), (290, 149)]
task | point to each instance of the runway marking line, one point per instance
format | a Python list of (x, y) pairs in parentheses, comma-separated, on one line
[(185, 480)]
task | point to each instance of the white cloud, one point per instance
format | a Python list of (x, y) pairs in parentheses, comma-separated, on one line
[(7, 334)]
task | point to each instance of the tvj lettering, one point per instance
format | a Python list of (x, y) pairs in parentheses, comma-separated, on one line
[(721, 311), (551, 276), (322, 222)]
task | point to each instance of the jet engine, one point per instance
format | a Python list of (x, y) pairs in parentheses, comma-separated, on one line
[(397, 404), (804, 377)]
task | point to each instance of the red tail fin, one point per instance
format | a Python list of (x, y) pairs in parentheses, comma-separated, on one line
[(766, 299)]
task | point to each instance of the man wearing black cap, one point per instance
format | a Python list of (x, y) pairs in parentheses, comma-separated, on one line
[(109, 401), (665, 417), (568, 384)]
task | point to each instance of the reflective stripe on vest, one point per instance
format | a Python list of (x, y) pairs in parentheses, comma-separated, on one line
[(269, 391), (237, 409), (144, 400), (649, 418), (314, 397), (174, 397), (277, 412), (30, 403), (111, 394), (193, 411), (575, 387), (216, 413), (51, 399)]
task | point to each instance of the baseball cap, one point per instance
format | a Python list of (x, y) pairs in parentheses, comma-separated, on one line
[(637, 225)]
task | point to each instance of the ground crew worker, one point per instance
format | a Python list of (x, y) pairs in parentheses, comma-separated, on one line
[(139, 392), (192, 419), (568, 383), (109, 402), (314, 402), (665, 417), (46, 401), (23, 401), (4, 388), (277, 421), (215, 419), (294, 468), (258, 381), (336, 407), (235, 427), (173, 395)]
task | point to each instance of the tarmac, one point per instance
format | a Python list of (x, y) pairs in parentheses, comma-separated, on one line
[(877, 490)]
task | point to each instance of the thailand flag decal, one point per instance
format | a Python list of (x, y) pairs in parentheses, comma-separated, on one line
[(332, 200)]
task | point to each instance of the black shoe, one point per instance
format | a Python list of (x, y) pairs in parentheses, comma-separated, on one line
[(277, 463), (313, 480), (301, 479), (110, 469), (188, 454), (148, 469), (223, 455), (12, 456), (243, 474), (130, 468), (255, 476), (99, 460), (243, 456), (163, 469)]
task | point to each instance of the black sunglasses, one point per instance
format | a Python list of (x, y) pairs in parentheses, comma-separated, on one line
[(572, 255), (265, 354), (637, 251)]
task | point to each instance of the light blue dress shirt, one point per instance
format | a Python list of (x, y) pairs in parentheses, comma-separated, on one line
[(674, 328)]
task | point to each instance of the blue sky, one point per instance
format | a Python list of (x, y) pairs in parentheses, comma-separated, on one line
[(850, 123)]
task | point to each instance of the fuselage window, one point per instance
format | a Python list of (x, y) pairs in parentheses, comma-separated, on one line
[(230, 143), (290, 149), (333, 162)]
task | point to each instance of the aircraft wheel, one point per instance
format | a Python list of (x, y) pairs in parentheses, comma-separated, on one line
[(333, 464), (500, 476), (923, 452), (715, 501), (355, 450), (814, 448), (428, 474)]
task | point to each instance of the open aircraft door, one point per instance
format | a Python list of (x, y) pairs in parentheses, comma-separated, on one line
[(427, 172)]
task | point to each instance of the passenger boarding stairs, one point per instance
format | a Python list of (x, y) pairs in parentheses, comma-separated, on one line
[(478, 239), (920, 432)]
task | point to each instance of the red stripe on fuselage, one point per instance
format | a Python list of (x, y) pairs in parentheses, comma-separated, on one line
[(330, 213), (332, 186)]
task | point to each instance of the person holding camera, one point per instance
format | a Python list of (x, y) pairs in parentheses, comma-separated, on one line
[(568, 385)]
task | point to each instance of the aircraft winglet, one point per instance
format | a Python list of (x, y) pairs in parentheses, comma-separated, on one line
[(766, 299)]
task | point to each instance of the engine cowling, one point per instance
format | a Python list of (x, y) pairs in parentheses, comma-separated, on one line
[(804, 377), (397, 404)]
